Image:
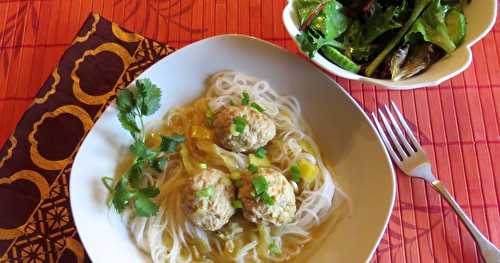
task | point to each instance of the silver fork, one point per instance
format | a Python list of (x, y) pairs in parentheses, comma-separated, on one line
[(412, 160)]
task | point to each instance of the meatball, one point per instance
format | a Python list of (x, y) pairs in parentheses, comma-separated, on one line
[(258, 130), (283, 209), (207, 201)]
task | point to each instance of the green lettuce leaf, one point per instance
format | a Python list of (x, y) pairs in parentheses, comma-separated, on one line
[(431, 27)]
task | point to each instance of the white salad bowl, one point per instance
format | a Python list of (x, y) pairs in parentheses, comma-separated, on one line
[(345, 136), (480, 15)]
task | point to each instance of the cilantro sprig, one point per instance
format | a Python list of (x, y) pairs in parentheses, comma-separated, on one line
[(131, 190)]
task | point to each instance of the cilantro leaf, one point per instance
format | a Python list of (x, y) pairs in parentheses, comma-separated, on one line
[(236, 204), (127, 120), (150, 192), (246, 98), (140, 150), (144, 206), (206, 192), (260, 185), (121, 195), (295, 171), (148, 96), (136, 174), (169, 143), (257, 107), (261, 153), (159, 164), (125, 100)]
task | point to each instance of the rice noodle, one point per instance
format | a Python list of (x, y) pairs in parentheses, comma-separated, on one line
[(170, 237)]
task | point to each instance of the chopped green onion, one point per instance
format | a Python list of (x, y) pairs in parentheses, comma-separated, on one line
[(295, 171), (203, 166), (246, 98), (252, 168), (210, 118), (257, 107), (274, 248), (261, 153), (268, 200), (260, 184), (206, 192), (237, 204), (238, 183), (239, 123)]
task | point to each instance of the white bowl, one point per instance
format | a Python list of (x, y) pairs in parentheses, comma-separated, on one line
[(345, 135), (481, 16)]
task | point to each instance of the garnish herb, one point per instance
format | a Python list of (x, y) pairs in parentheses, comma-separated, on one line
[(210, 118), (131, 189), (261, 153), (252, 168), (206, 192), (239, 123), (274, 248), (246, 98), (238, 183), (268, 200), (260, 186), (295, 172), (237, 204), (257, 107)]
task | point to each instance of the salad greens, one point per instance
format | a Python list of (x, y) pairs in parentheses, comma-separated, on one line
[(131, 190), (381, 37)]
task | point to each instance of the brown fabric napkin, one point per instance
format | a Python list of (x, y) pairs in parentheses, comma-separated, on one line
[(36, 224)]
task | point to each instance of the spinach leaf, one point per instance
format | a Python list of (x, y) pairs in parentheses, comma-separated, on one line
[(431, 27), (328, 24)]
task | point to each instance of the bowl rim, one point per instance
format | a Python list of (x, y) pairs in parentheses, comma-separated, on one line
[(332, 68), (379, 141)]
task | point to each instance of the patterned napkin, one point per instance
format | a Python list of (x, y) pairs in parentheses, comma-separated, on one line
[(36, 224)]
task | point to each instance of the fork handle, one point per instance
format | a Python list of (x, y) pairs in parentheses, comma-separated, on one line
[(490, 253)]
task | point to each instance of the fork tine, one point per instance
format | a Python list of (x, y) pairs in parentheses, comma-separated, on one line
[(398, 131), (388, 145), (392, 135), (406, 127)]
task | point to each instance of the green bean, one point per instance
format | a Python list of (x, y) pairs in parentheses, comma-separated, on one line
[(338, 58)]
